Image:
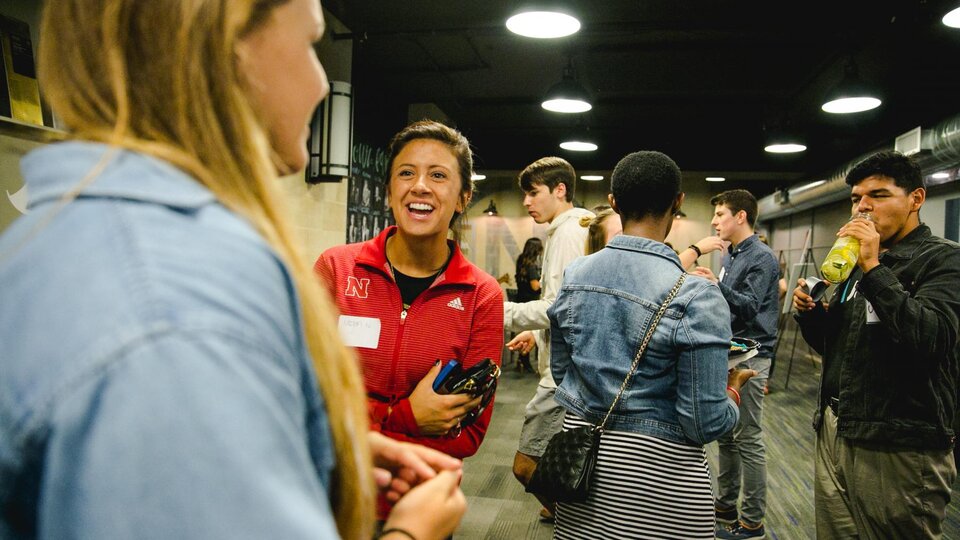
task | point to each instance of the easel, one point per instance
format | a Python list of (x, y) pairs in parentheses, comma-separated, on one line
[(806, 267)]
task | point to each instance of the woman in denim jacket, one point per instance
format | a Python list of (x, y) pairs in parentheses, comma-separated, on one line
[(652, 477)]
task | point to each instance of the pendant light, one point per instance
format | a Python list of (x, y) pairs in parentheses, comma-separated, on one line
[(952, 19), (783, 141), (851, 95), (567, 96), (543, 24)]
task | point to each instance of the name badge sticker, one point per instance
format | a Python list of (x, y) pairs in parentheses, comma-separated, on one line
[(872, 317), (360, 331), (723, 272)]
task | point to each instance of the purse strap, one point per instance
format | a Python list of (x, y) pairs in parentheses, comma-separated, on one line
[(643, 346)]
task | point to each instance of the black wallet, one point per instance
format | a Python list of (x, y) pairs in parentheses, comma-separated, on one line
[(478, 380)]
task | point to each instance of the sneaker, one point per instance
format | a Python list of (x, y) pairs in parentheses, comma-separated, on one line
[(726, 516), (739, 530)]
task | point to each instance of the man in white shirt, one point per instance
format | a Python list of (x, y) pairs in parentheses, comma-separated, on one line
[(548, 185)]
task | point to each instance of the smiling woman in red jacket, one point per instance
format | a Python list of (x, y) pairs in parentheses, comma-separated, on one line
[(410, 301)]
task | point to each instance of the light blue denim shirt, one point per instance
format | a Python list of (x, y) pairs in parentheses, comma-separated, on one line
[(154, 381), (605, 305)]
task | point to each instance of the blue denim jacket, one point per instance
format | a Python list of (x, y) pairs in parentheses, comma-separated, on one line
[(154, 381), (605, 304)]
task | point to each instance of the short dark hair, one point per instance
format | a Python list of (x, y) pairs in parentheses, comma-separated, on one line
[(645, 183), (904, 171), (737, 200), (551, 172)]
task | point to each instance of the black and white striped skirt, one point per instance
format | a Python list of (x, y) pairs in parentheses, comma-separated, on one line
[(643, 487)]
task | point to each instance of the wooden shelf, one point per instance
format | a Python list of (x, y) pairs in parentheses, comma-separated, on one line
[(25, 130)]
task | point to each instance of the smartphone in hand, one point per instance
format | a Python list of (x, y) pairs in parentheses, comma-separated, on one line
[(445, 372)]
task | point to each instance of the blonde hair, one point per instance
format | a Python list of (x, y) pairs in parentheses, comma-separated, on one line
[(596, 235), (163, 78)]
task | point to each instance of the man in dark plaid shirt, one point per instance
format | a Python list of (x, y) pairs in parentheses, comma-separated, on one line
[(749, 281)]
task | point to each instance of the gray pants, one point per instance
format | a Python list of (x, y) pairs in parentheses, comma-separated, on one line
[(743, 455), (865, 492)]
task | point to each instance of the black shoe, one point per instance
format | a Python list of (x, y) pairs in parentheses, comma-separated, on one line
[(726, 516), (547, 516)]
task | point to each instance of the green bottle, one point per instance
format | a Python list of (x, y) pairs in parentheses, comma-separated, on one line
[(843, 256)]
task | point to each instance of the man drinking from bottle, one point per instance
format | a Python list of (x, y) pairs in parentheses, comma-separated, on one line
[(889, 340)]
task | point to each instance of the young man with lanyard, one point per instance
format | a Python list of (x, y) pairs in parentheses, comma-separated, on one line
[(888, 390), (548, 185), (749, 280)]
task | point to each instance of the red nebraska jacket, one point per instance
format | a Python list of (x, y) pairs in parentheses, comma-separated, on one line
[(459, 317)]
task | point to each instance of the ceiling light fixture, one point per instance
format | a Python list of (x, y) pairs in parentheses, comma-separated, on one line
[(475, 177), (785, 148), (781, 138), (491, 209), (591, 177), (578, 146), (715, 179), (543, 24), (940, 175), (851, 95), (952, 19), (567, 96)]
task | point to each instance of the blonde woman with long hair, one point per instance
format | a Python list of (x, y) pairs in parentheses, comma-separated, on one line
[(601, 228), (171, 367)]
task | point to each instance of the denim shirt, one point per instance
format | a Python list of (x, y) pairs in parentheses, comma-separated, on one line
[(750, 281), (154, 380), (605, 305)]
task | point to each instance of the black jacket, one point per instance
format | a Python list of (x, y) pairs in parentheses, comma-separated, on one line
[(898, 378)]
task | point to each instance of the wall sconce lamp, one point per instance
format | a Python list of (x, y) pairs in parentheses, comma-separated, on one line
[(331, 136)]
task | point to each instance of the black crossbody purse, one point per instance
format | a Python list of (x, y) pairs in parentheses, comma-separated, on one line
[(564, 471)]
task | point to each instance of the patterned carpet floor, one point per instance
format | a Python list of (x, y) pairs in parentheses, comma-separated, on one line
[(498, 508)]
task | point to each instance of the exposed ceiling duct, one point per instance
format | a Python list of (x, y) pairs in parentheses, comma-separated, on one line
[(941, 146)]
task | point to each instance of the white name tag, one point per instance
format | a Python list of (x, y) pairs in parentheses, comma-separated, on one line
[(360, 331), (871, 314), (723, 272)]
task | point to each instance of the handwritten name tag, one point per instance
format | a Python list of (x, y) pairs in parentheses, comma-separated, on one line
[(360, 331)]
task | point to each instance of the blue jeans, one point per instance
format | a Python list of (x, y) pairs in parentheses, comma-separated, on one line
[(743, 455)]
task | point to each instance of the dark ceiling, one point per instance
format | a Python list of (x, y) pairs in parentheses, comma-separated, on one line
[(699, 80)]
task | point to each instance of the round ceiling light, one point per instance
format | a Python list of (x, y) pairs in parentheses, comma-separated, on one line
[(952, 19), (543, 24), (785, 148), (566, 105), (849, 105), (578, 146)]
